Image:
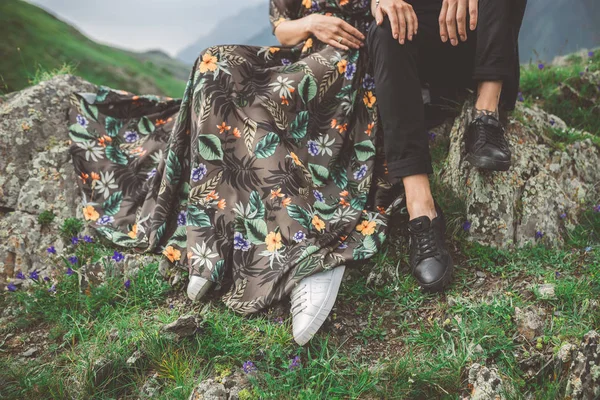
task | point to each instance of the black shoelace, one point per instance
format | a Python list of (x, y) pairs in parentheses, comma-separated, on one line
[(492, 135), (425, 244)]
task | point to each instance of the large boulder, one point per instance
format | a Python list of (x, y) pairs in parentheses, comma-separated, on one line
[(540, 197), (36, 174)]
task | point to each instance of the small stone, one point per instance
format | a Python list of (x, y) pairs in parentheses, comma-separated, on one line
[(185, 326), (481, 274), (31, 352), (209, 390), (547, 291), (135, 358), (151, 388), (529, 323), (487, 384)]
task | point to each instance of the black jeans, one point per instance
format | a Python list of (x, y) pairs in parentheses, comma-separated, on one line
[(489, 54)]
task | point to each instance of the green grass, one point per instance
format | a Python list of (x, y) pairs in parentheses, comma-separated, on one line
[(35, 45)]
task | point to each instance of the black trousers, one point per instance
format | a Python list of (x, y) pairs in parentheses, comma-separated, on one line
[(400, 71)]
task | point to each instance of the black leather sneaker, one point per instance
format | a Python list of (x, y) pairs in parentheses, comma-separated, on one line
[(486, 145), (430, 261)]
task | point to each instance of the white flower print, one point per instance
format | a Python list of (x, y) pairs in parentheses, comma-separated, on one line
[(92, 152), (344, 214), (106, 183), (284, 86), (324, 144), (202, 256)]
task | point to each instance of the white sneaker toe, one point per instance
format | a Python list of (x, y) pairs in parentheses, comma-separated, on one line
[(197, 287)]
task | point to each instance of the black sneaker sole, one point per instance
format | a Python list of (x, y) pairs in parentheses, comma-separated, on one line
[(488, 163), (442, 283)]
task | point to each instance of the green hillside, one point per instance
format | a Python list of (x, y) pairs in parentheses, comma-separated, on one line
[(33, 40)]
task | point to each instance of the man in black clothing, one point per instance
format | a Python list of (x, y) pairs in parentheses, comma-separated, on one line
[(448, 46)]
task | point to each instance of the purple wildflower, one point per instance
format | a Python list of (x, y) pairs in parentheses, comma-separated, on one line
[(350, 71), (20, 275), (431, 136), (540, 66), (51, 250), (88, 239), (368, 82), (239, 243), (117, 256), (182, 218), (52, 289), (73, 260), (249, 367), (520, 97), (11, 287), (295, 363), (279, 320), (199, 172), (285, 61), (81, 120), (70, 271), (318, 195), (313, 147), (34, 275), (563, 215), (557, 274), (552, 121), (466, 226), (361, 172), (590, 54), (299, 236), (539, 234), (127, 284), (171, 306), (74, 240), (597, 208), (131, 136), (46, 279)]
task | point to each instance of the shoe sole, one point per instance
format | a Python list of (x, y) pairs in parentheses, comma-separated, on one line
[(315, 324), (488, 163), (442, 283), (201, 292)]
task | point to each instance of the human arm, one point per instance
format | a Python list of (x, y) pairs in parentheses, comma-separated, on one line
[(453, 19), (325, 28), (403, 18)]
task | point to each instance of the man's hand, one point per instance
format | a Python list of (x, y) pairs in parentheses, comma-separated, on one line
[(403, 18), (453, 18)]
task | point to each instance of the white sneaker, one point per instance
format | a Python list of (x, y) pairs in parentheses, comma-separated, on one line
[(312, 301), (197, 287)]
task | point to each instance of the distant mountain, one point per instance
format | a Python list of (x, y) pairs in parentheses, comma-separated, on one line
[(246, 27), (33, 42)]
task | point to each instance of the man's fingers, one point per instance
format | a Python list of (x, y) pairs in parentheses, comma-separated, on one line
[(451, 24), (410, 25), (394, 22), (473, 13), (415, 20), (442, 22), (379, 16), (402, 20), (461, 19)]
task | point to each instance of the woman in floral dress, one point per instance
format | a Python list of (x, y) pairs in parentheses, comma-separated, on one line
[(269, 170)]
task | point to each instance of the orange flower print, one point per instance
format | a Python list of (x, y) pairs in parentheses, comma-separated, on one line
[(343, 2), (307, 3), (344, 202), (172, 254), (222, 204), (287, 201), (307, 45), (367, 227), (209, 63), (333, 123), (236, 132), (381, 210), (370, 129), (295, 158), (318, 223), (104, 140), (369, 99), (84, 177), (90, 213), (135, 98), (133, 233), (223, 127), (284, 101), (342, 128), (273, 241), (344, 193), (341, 66), (212, 196), (95, 176), (276, 193), (274, 50), (160, 122)]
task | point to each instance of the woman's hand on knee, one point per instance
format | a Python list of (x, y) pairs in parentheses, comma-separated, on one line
[(335, 32), (453, 19), (403, 18)]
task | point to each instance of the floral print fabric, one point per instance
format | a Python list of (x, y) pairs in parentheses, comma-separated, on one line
[(269, 169)]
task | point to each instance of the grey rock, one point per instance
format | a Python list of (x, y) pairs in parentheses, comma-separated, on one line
[(529, 322), (584, 375), (185, 326), (134, 360), (511, 208), (151, 388), (547, 291), (487, 383), (31, 352), (209, 390)]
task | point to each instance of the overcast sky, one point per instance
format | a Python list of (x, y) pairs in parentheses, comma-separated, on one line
[(169, 25)]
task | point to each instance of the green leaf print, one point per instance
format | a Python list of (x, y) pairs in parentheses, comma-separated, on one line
[(307, 89), (319, 173), (209, 147), (299, 127), (217, 272), (173, 168), (145, 126), (115, 155), (101, 94), (358, 202), (267, 145), (112, 205), (160, 232), (257, 208), (256, 230), (118, 238), (300, 215), (197, 217), (370, 244), (364, 150), (179, 237), (88, 110), (325, 210), (78, 133), (113, 126)]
